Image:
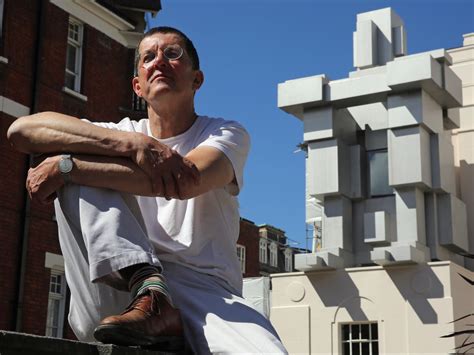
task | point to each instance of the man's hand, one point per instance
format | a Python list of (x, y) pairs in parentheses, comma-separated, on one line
[(44, 180), (167, 169)]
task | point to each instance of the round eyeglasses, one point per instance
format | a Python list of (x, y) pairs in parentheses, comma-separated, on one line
[(171, 52)]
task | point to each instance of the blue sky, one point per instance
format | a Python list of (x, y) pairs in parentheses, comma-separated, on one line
[(247, 47)]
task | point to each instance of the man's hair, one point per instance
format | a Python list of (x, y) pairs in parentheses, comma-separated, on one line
[(188, 44)]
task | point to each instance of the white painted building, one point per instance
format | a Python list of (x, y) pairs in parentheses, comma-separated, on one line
[(391, 163)]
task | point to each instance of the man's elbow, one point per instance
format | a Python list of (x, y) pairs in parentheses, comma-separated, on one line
[(16, 133)]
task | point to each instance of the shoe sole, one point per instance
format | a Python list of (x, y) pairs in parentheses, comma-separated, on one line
[(118, 335)]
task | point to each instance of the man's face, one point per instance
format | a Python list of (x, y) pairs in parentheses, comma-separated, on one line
[(159, 76)]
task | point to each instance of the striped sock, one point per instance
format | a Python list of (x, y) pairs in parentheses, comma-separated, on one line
[(149, 278)]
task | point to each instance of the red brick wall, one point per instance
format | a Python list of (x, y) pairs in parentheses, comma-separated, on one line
[(12, 172), (248, 237), (106, 81)]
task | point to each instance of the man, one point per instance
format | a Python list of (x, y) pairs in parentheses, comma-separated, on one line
[(147, 213)]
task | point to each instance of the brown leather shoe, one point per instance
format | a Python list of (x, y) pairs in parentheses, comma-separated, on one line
[(149, 321)]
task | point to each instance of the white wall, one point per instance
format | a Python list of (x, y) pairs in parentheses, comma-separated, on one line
[(412, 304)]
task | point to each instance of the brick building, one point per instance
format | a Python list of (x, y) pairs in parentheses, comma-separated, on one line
[(264, 249), (60, 56)]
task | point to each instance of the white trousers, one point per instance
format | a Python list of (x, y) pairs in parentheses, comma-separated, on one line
[(101, 231)]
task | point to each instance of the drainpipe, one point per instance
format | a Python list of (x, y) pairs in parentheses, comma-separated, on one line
[(26, 215)]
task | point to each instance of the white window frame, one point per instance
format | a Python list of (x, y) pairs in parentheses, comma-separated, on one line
[(274, 254), (358, 340), (241, 256), (78, 44), (263, 254), (288, 260), (56, 330)]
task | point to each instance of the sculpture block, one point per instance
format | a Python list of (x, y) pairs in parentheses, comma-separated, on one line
[(452, 223), (414, 107), (329, 168), (376, 228), (410, 216), (302, 91), (409, 157), (442, 164)]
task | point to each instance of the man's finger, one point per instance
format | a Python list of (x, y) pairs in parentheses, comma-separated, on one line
[(157, 184), (177, 177), (168, 186)]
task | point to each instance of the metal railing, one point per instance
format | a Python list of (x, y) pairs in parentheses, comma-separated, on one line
[(138, 104)]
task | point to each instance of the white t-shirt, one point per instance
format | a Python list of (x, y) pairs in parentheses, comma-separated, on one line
[(201, 232)]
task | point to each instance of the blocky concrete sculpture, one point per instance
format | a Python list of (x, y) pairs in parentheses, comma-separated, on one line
[(380, 159)]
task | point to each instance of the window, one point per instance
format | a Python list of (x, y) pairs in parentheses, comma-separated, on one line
[(241, 256), (274, 254), (74, 55), (56, 305), (360, 339), (288, 260), (378, 173), (263, 251)]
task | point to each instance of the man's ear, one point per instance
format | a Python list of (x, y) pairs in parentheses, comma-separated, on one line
[(136, 86), (198, 80)]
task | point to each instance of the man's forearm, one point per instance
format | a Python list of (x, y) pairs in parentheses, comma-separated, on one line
[(114, 173), (51, 132)]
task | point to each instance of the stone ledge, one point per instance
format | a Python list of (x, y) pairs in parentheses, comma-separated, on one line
[(12, 343)]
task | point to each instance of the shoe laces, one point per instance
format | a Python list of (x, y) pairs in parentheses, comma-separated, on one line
[(139, 299)]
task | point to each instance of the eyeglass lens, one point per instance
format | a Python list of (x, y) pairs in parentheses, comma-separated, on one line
[(172, 52)]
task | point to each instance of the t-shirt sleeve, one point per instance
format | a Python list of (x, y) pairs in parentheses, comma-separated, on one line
[(233, 140), (124, 125)]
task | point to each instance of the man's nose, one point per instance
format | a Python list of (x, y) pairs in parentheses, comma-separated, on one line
[(160, 59)]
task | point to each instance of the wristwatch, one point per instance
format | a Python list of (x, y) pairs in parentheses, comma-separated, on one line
[(65, 167)]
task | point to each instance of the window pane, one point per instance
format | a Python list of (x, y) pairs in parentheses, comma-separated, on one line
[(378, 166), (374, 331), (364, 331), (71, 58), (56, 304), (375, 348), (346, 349), (365, 349), (73, 32), (74, 55), (345, 332), (50, 315), (355, 348), (70, 81), (355, 331)]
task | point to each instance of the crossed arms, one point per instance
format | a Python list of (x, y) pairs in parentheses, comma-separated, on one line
[(125, 161)]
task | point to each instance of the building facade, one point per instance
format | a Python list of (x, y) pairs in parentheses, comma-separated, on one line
[(59, 56), (264, 250), (389, 168)]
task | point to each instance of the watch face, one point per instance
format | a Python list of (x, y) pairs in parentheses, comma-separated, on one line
[(65, 165)]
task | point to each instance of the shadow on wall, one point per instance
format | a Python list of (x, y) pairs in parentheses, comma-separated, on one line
[(335, 289), (417, 284)]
